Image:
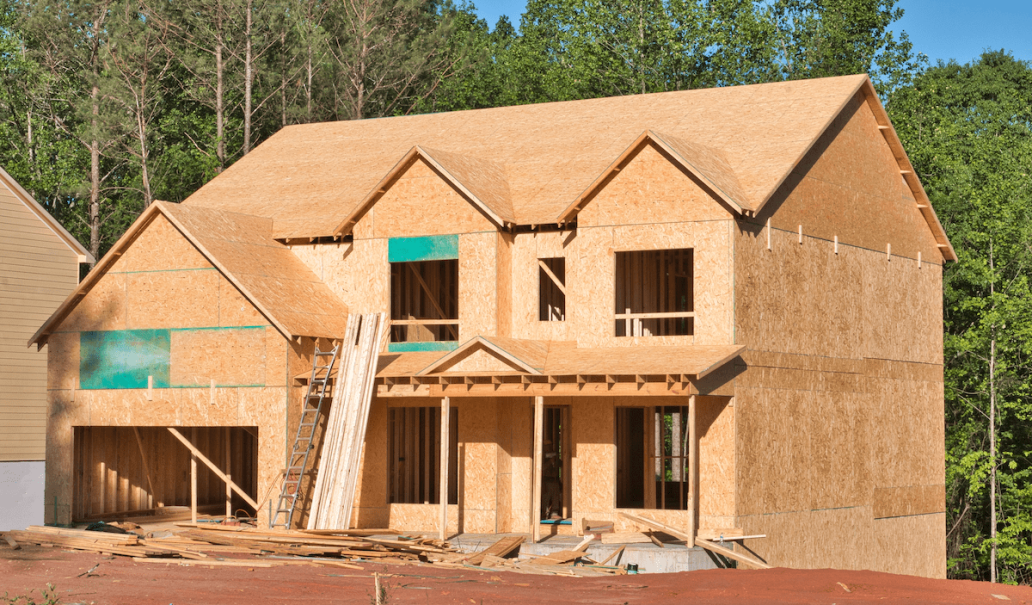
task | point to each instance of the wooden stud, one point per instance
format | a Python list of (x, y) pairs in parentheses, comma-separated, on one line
[(888, 252), (193, 476), (150, 388), (918, 259), (228, 438), (143, 459), (443, 488), (535, 505), (768, 234), (211, 393), (800, 234), (836, 244)]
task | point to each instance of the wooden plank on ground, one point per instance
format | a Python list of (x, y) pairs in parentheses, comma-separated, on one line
[(612, 556), (628, 537), (657, 526), (730, 554), (500, 548)]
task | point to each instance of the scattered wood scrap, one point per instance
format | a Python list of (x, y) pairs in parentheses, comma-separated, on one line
[(210, 544), (730, 554)]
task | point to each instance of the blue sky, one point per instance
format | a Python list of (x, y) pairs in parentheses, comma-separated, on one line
[(941, 29)]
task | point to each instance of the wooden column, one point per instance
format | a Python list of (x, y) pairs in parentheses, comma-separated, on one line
[(443, 489), (535, 505), (193, 478), (693, 470)]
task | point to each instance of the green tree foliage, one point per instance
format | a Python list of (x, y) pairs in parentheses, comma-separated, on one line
[(968, 130)]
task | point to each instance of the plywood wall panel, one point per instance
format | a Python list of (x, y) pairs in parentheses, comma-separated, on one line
[(522, 464), (104, 308), (479, 464), (63, 361), (234, 309), (714, 267), (171, 299), (594, 451), (361, 276), (161, 247), (478, 285), (715, 423), (229, 357), (650, 189), (418, 189), (590, 287), (503, 271), (923, 554)]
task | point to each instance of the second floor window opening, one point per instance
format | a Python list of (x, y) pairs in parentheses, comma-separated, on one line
[(552, 289), (655, 293), (425, 301)]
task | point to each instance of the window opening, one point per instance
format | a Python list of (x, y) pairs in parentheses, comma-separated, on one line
[(425, 301), (552, 289), (414, 446), (652, 458), (655, 293)]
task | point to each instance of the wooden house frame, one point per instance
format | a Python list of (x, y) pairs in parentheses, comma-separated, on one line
[(720, 307)]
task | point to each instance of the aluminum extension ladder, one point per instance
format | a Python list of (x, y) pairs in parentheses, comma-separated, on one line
[(286, 504)]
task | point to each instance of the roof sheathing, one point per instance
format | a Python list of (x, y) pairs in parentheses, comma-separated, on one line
[(306, 178)]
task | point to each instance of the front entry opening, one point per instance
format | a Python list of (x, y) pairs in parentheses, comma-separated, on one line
[(140, 471), (555, 467)]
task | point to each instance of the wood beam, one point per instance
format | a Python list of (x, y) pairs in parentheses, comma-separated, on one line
[(527, 388), (693, 469), (199, 456)]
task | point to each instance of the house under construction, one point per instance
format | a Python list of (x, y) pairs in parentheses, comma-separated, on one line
[(719, 309)]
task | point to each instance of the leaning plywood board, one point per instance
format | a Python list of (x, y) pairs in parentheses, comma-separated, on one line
[(346, 427)]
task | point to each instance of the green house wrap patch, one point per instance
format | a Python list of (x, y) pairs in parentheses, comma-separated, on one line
[(123, 359), (413, 249), (410, 347)]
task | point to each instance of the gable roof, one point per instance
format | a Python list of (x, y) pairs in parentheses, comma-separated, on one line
[(241, 247), (481, 182), (532, 164), (47, 218)]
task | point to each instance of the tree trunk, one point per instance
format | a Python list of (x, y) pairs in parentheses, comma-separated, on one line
[(220, 126), (308, 89), (992, 419), (95, 172), (248, 77)]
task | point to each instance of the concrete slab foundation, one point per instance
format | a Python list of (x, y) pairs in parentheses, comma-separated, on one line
[(21, 494)]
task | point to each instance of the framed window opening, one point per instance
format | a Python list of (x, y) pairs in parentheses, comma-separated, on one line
[(414, 447), (655, 293), (425, 301), (552, 289)]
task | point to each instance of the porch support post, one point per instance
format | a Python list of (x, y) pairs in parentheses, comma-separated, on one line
[(193, 478), (535, 505), (693, 470), (443, 488)]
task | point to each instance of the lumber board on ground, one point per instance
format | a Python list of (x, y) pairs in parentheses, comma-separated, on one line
[(730, 554)]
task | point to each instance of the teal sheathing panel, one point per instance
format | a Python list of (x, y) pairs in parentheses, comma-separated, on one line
[(410, 347), (431, 247), (123, 359)]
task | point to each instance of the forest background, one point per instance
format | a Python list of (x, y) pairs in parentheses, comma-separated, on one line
[(108, 105)]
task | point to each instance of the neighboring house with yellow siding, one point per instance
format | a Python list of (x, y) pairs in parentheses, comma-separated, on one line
[(39, 267)]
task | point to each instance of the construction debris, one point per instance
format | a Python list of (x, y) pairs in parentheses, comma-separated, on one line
[(209, 544)]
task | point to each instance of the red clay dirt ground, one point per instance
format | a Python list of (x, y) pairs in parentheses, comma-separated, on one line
[(121, 580)]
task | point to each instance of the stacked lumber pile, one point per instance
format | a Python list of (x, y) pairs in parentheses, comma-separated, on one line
[(218, 545)]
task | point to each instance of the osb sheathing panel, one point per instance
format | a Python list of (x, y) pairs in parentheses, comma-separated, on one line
[(403, 210), (909, 500), (715, 423), (713, 291), (837, 538), (503, 271), (63, 361), (902, 313), (527, 248), (521, 435), (478, 285), (103, 308), (234, 309), (229, 357), (923, 553), (358, 272), (503, 432), (480, 360), (552, 152), (160, 247), (478, 463), (909, 448), (850, 186), (594, 453), (172, 299), (650, 188)]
